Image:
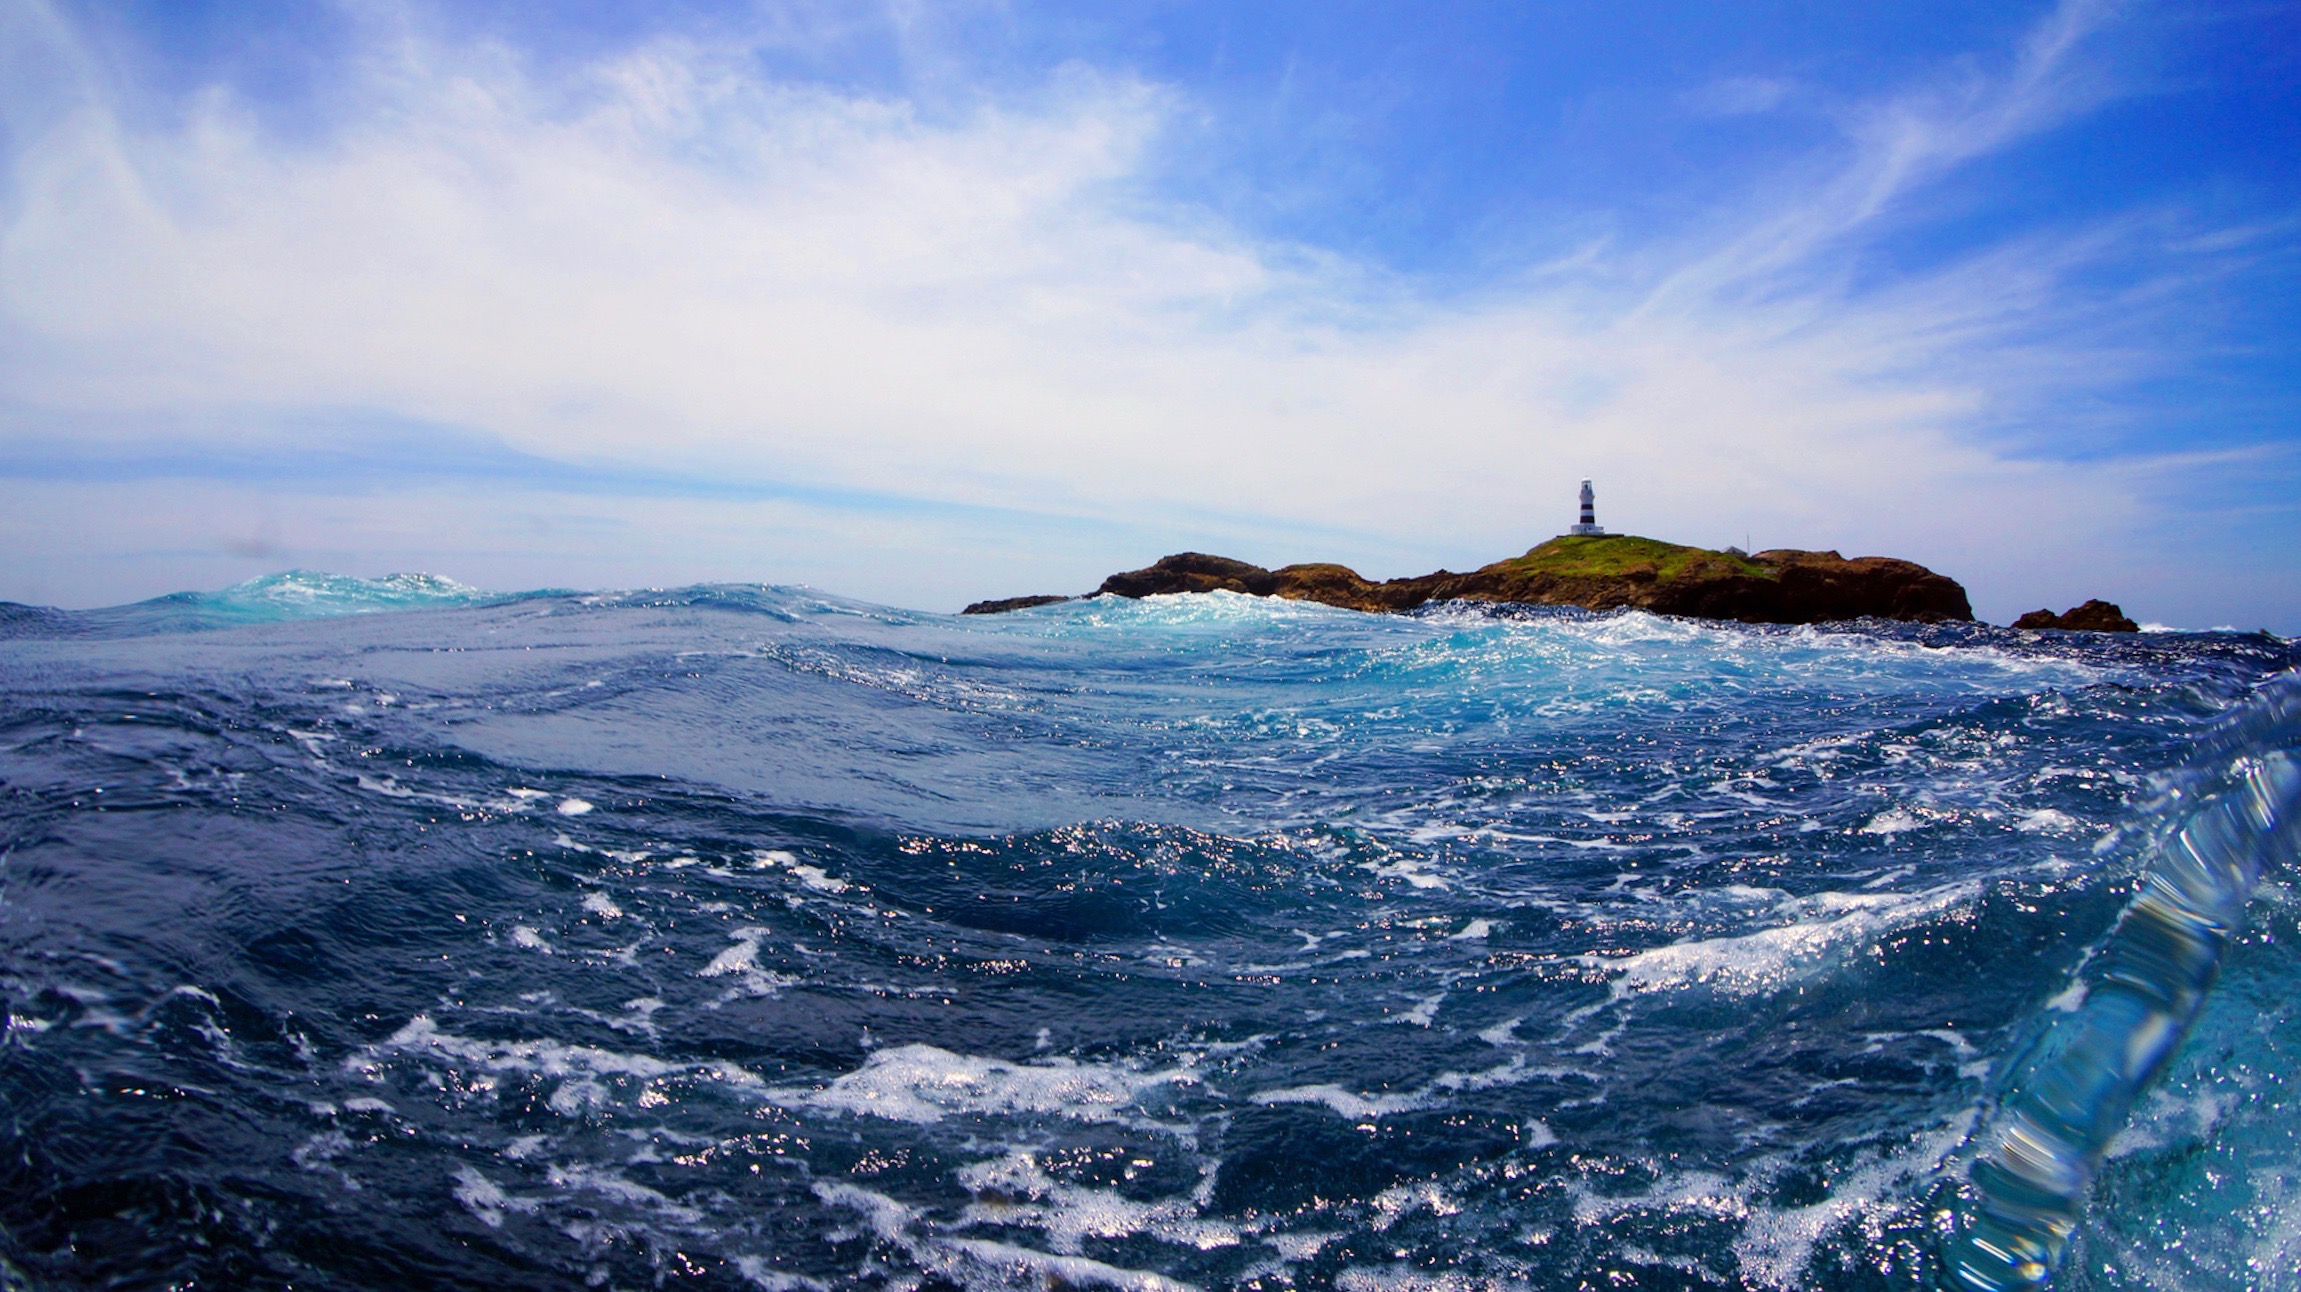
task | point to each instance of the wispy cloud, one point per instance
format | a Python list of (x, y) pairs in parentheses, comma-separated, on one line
[(1739, 96), (1898, 144), (667, 264)]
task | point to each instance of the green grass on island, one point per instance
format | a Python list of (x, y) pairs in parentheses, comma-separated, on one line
[(1615, 555)]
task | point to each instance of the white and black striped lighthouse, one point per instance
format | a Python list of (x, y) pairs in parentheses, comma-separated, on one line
[(1589, 522)]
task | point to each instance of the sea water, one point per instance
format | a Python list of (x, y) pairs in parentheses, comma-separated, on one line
[(738, 937)]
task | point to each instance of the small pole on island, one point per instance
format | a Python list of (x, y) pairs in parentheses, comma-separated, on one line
[(1588, 525)]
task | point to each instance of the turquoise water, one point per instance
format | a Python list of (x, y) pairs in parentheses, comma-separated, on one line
[(751, 937)]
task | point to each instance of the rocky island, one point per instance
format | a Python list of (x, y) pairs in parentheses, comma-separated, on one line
[(1595, 571), (2095, 616)]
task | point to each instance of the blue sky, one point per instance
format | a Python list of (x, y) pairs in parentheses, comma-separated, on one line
[(930, 303)]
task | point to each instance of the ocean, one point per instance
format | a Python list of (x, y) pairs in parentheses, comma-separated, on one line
[(392, 934)]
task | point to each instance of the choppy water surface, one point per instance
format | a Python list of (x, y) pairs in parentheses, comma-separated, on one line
[(752, 938)]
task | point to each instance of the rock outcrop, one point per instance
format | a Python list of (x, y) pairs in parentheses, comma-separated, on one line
[(1003, 605), (2095, 616), (1603, 572), (1193, 572)]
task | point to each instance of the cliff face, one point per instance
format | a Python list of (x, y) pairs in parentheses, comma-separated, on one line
[(1601, 573)]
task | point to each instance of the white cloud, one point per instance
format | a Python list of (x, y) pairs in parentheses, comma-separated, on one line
[(1901, 142), (668, 260)]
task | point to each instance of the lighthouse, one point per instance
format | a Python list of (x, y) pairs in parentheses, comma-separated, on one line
[(1588, 525)]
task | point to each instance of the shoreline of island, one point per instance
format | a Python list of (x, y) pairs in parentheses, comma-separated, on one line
[(1607, 572)]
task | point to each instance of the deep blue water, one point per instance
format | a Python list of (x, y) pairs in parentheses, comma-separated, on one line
[(748, 937)]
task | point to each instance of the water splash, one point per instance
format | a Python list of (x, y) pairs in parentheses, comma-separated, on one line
[(300, 594), (271, 599), (2239, 815)]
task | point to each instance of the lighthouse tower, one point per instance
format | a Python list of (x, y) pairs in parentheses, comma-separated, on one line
[(1589, 521)]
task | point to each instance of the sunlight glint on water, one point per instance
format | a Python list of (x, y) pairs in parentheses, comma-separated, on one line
[(742, 937)]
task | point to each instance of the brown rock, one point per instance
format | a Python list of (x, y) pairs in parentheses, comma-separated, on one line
[(2095, 616), (1818, 586), (1332, 585), (1001, 607), (1601, 573), (1192, 572)]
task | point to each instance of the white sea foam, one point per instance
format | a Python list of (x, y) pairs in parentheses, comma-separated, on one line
[(576, 1177), (2048, 821), (980, 1265), (741, 961), (1703, 1192), (1300, 1245), (1776, 1244), (486, 1199), (922, 1084), (814, 877), (1820, 927), (2169, 1118), (1414, 870), (1347, 1103), (1893, 821), (1406, 1278), (583, 1071), (1400, 1201), (760, 1274), (740, 958), (2276, 1237), (1357, 1106), (1425, 1011), (990, 1265), (1013, 1190), (317, 1154)]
